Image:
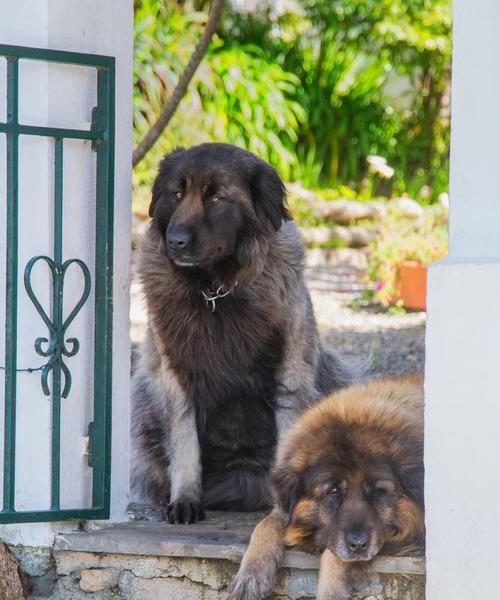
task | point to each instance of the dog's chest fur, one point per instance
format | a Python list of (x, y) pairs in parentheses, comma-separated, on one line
[(227, 362)]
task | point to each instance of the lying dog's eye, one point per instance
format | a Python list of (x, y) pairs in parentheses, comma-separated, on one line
[(178, 195), (215, 199), (328, 490), (378, 492)]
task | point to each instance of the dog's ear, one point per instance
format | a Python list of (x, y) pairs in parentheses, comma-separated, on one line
[(268, 195), (407, 458), (288, 489), (168, 162), (412, 482)]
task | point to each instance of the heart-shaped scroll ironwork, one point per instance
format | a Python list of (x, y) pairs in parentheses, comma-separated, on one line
[(57, 347)]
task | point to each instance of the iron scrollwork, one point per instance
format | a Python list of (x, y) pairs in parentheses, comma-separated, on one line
[(56, 346)]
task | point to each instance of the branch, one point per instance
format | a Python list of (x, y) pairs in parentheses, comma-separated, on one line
[(180, 89)]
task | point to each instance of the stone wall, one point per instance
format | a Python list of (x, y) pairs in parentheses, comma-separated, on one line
[(68, 575)]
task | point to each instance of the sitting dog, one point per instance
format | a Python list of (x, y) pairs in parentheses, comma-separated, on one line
[(348, 483), (232, 354)]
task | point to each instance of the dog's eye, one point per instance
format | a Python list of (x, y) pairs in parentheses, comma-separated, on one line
[(214, 199), (378, 492), (178, 195), (334, 491)]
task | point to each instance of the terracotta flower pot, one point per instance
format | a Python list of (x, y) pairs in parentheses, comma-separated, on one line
[(412, 285)]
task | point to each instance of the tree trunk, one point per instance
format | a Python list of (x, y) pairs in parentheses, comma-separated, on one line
[(180, 89)]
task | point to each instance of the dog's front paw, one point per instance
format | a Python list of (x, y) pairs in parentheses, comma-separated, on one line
[(184, 511), (247, 586)]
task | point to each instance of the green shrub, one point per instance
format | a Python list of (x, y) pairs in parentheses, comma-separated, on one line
[(238, 95), (314, 89)]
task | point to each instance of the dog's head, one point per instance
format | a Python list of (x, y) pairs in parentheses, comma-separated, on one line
[(351, 487), (212, 201)]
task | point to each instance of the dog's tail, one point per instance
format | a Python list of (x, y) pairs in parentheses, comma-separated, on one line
[(335, 372)]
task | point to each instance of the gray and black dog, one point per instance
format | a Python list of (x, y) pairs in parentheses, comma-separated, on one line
[(232, 352)]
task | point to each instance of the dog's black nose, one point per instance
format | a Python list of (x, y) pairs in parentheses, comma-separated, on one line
[(357, 541), (179, 238)]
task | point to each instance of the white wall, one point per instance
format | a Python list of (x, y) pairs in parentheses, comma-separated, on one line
[(475, 177), (462, 443), (63, 96)]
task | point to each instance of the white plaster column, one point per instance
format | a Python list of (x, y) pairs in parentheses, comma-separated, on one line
[(60, 95), (462, 445)]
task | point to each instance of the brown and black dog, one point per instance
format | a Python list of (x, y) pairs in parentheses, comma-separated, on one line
[(348, 483)]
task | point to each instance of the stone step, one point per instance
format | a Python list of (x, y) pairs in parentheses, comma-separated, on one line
[(146, 559)]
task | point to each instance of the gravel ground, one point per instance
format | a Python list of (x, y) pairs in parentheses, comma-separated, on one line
[(390, 344)]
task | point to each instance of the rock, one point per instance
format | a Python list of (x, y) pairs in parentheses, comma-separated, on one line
[(407, 207), (295, 190), (97, 580), (357, 237), (296, 584), (348, 211), (11, 583), (316, 235), (345, 211), (67, 588), (352, 237), (379, 207), (336, 257), (133, 588), (34, 562)]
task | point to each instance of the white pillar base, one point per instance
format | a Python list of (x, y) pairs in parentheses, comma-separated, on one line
[(462, 435)]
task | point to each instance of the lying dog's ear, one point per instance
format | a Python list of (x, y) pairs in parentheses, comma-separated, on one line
[(412, 482), (268, 195), (288, 490), (167, 163)]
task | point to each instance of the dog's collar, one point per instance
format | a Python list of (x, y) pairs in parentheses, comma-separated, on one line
[(211, 297)]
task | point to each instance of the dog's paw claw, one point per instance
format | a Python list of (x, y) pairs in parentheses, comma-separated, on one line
[(184, 511)]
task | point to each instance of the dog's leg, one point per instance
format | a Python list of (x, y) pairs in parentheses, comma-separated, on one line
[(333, 582), (255, 578), (296, 392), (183, 451), (297, 388), (184, 471)]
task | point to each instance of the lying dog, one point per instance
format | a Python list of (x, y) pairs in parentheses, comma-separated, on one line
[(348, 483), (232, 354)]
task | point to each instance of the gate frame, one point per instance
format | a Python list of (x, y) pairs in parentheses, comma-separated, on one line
[(102, 135)]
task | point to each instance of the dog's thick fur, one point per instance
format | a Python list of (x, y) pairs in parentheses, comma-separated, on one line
[(212, 391), (348, 483)]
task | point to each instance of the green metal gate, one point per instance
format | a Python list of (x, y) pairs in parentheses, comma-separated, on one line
[(56, 349)]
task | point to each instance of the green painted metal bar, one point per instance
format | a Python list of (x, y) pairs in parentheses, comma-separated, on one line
[(39, 516), (9, 470), (103, 291), (55, 132), (62, 56), (110, 197), (57, 319)]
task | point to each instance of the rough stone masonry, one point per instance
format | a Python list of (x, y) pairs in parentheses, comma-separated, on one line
[(150, 560)]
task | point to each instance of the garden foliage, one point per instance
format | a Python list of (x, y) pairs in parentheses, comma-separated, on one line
[(314, 88)]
